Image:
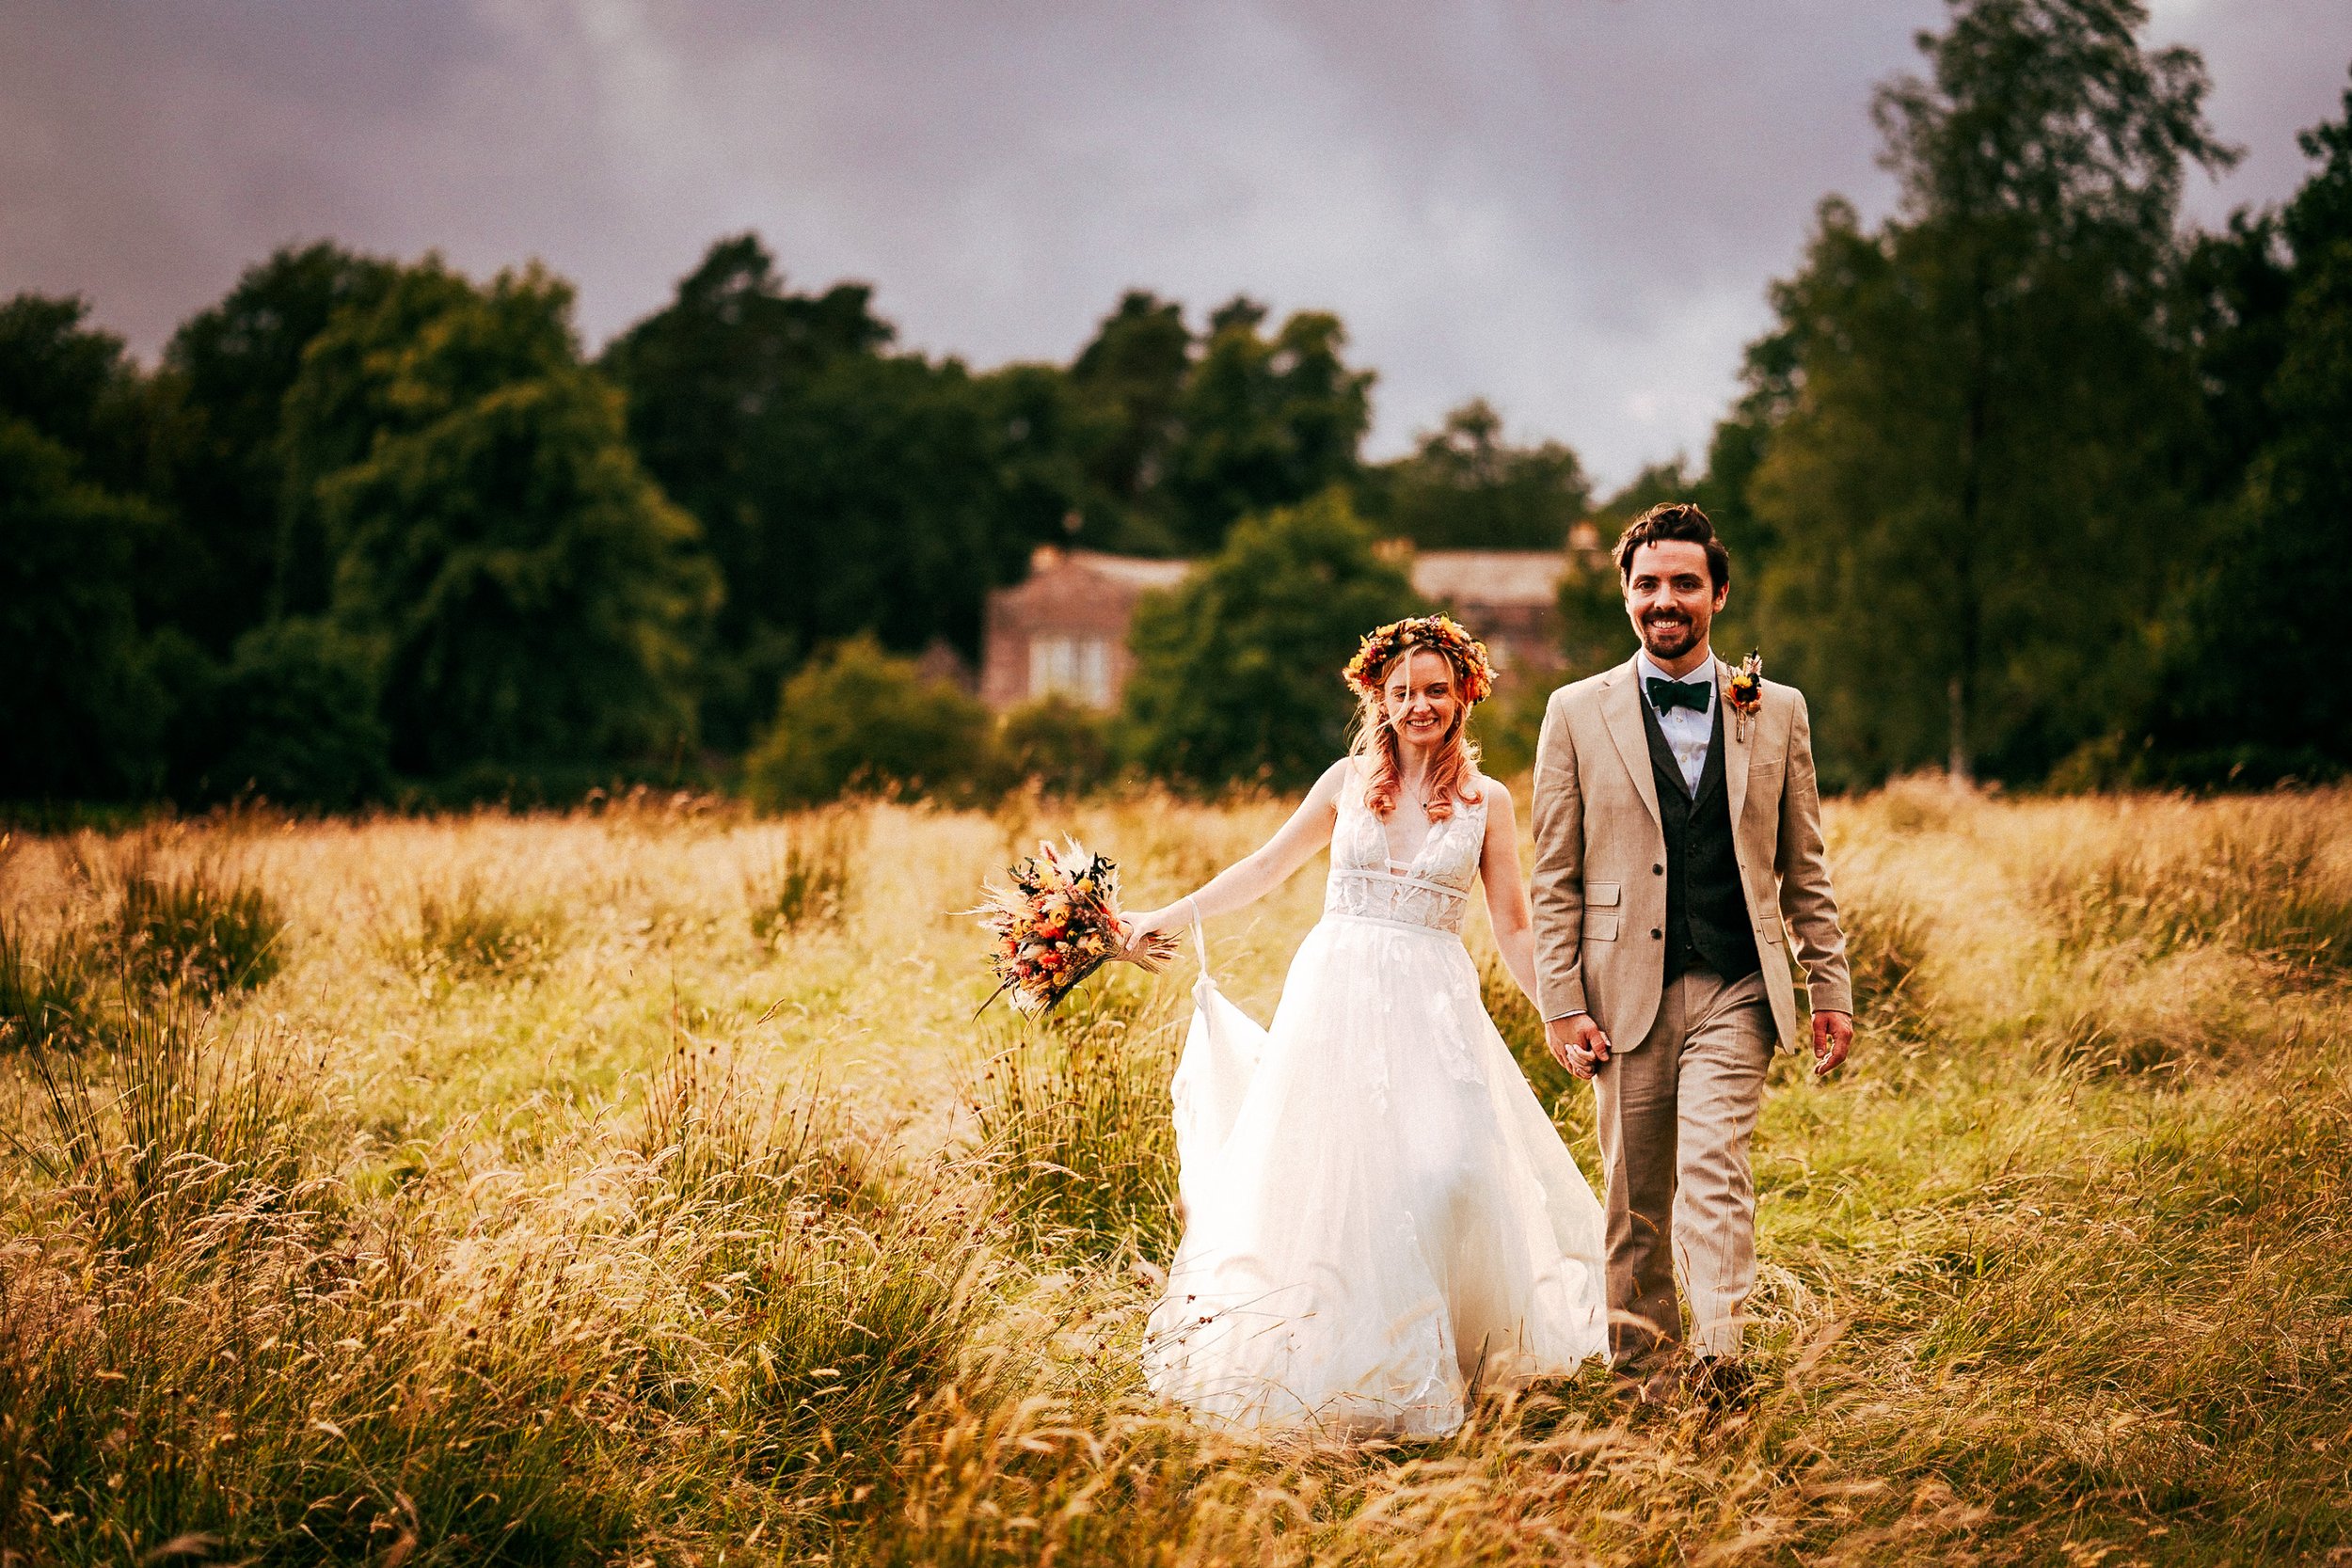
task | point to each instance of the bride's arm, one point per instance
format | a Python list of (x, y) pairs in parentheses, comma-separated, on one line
[(1262, 870), (1506, 888)]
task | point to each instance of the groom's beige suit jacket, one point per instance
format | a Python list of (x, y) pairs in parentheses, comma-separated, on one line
[(1599, 892)]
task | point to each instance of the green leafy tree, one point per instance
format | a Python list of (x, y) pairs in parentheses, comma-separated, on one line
[(85, 545), (292, 718), (843, 489), (82, 706), (2242, 698), (1264, 421), (1594, 630), (529, 593), (1129, 385), (1973, 498), (78, 388), (1465, 488), (860, 719), (229, 368), (1237, 668)]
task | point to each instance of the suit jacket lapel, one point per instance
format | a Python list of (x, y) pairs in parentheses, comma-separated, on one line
[(1735, 749), (1624, 707)]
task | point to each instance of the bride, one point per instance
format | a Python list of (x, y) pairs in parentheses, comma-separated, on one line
[(1380, 1218)]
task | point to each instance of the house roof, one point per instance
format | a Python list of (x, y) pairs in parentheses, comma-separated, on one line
[(1134, 571), (1462, 577), (1489, 577)]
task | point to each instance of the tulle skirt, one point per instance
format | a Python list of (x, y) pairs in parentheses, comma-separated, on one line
[(1379, 1216)]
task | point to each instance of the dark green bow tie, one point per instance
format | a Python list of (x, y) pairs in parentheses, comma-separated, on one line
[(1667, 695)]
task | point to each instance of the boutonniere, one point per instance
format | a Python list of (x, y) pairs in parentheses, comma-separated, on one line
[(1744, 692)]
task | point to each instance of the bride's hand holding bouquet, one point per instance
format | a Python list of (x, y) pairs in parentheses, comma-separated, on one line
[(1057, 923)]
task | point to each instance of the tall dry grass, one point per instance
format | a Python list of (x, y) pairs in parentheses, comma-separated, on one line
[(638, 1186)]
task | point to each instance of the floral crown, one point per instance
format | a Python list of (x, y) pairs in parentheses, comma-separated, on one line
[(1437, 633)]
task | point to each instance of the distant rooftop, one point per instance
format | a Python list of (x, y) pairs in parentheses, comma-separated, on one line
[(1135, 571), (1489, 577)]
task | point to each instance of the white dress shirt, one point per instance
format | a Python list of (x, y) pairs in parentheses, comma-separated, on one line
[(1688, 731)]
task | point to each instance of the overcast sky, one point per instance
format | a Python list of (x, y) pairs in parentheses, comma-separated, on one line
[(1570, 207)]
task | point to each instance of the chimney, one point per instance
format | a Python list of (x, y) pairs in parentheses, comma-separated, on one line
[(1044, 559)]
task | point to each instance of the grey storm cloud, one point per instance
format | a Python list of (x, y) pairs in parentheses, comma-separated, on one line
[(1571, 209)]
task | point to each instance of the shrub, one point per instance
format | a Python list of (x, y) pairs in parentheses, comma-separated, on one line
[(1060, 746), (202, 928), (858, 719)]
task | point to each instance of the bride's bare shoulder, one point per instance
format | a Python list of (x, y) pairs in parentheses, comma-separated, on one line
[(1489, 790), (1338, 778)]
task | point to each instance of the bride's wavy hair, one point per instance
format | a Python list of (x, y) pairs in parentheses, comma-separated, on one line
[(1453, 767)]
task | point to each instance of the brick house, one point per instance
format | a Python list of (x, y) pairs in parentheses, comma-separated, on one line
[(1064, 629)]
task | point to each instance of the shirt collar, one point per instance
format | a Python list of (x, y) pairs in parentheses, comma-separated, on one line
[(1649, 670)]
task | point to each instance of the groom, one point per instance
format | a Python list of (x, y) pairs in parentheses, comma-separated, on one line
[(1678, 862)]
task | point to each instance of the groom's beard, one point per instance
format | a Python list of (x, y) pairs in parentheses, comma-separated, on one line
[(1669, 637)]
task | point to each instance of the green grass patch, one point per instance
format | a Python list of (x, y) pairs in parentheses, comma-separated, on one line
[(470, 933)]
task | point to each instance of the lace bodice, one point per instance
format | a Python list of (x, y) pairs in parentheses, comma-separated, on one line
[(1431, 890)]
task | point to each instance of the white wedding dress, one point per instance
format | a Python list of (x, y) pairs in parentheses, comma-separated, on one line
[(1379, 1216)]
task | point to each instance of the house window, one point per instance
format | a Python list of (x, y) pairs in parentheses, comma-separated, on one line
[(1076, 667)]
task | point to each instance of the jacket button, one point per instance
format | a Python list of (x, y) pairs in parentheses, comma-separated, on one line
[(1660, 869), (1657, 935)]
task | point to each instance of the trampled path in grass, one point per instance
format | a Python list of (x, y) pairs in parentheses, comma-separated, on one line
[(639, 1185)]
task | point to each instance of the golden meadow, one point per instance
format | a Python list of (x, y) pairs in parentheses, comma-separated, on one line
[(637, 1185)]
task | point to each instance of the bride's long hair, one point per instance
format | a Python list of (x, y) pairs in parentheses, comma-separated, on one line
[(1453, 765)]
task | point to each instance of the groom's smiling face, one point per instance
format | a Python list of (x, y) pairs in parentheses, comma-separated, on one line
[(1671, 597)]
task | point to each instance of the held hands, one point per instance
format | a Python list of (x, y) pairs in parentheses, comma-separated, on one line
[(1581, 1045), (1833, 1037), (1577, 1043)]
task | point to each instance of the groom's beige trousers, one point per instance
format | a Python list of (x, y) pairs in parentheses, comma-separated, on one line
[(1676, 1116)]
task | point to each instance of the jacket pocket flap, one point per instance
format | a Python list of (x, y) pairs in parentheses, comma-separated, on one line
[(1600, 928), (1603, 894)]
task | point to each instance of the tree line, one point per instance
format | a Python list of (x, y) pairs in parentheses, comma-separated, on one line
[(2029, 480), (373, 526)]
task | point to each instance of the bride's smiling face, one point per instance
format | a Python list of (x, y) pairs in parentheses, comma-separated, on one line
[(1421, 697)]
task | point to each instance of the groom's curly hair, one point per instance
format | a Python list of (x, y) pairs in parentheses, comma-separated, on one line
[(1677, 520)]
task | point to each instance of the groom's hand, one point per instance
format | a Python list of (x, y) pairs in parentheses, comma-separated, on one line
[(1833, 1037), (1577, 1043)]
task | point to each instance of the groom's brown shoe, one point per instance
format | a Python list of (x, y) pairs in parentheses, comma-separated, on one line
[(1650, 1383), (1724, 1386)]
